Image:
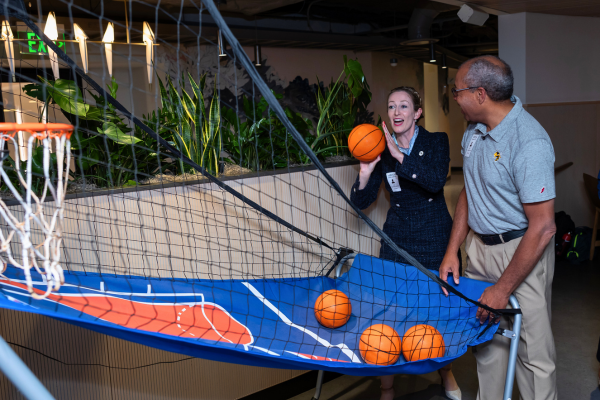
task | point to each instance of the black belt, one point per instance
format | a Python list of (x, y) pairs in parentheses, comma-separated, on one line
[(491, 240)]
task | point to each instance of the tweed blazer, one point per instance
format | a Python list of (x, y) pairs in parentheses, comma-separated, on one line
[(418, 219)]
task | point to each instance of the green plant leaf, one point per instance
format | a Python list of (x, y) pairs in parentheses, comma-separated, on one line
[(113, 86), (36, 91), (130, 183), (356, 77), (68, 96), (113, 132)]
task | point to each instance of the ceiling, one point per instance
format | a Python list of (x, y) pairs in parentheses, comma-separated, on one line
[(355, 25)]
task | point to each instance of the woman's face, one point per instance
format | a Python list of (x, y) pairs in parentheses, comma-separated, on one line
[(401, 112)]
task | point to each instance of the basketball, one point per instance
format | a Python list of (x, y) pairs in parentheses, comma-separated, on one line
[(422, 342), (333, 309), (380, 345), (366, 142)]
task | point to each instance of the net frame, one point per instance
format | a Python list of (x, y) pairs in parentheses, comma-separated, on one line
[(44, 257)]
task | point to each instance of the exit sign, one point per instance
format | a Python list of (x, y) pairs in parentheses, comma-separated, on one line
[(36, 47)]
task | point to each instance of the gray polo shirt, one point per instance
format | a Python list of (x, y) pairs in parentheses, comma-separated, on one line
[(510, 165)]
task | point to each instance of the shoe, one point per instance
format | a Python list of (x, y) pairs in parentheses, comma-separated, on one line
[(454, 394), (451, 394)]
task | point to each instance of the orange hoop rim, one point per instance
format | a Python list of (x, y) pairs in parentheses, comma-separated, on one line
[(38, 130)]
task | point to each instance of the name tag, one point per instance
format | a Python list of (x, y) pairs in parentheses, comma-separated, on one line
[(392, 178), (471, 145)]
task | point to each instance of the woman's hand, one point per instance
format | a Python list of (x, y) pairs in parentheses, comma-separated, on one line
[(366, 169), (392, 146)]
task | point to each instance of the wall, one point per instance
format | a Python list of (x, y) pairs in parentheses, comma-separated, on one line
[(441, 112), (555, 67), (453, 122), (385, 77)]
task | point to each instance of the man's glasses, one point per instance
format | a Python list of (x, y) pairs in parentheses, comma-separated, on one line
[(455, 90)]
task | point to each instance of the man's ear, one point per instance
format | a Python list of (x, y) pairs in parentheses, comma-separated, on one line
[(481, 95)]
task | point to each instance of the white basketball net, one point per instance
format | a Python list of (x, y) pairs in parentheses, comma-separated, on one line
[(40, 235)]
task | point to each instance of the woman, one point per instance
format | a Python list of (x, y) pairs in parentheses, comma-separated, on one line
[(414, 166)]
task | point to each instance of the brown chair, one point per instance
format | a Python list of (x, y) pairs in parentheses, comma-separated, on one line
[(591, 186)]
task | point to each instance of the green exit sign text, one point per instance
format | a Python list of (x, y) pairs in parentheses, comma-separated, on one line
[(35, 46)]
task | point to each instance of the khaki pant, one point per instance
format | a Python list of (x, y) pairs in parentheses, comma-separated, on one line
[(536, 370)]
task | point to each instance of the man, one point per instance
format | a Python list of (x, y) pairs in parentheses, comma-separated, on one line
[(506, 213)]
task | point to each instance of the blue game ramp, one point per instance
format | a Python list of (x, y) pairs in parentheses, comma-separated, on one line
[(262, 322)]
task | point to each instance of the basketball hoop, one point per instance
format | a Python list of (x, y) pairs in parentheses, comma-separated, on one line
[(40, 236)]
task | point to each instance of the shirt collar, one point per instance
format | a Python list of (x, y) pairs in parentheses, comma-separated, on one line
[(498, 132), (412, 142)]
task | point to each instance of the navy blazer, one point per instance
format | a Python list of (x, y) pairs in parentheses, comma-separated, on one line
[(418, 220)]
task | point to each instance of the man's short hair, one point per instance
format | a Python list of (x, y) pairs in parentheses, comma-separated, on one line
[(492, 74)]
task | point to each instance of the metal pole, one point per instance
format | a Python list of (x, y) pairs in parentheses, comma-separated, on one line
[(126, 21), (319, 385), (18, 373), (514, 348)]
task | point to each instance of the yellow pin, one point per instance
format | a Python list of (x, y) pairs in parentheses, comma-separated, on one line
[(496, 156)]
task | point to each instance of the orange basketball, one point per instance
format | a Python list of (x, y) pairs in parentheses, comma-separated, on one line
[(333, 309), (366, 142), (421, 342), (380, 345)]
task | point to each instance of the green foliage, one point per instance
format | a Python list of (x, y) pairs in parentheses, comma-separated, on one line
[(37, 171), (340, 105), (106, 153), (186, 123), (258, 140)]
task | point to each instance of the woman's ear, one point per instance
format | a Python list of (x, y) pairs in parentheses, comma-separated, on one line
[(418, 113)]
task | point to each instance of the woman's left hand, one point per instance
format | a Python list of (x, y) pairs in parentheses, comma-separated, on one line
[(392, 146)]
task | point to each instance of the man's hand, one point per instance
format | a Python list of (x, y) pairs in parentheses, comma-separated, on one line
[(495, 298), (450, 265)]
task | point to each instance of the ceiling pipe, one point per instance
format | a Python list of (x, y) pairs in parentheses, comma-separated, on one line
[(419, 26), (405, 26)]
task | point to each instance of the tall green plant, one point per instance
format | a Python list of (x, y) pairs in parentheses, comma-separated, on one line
[(340, 104), (258, 140), (192, 127)]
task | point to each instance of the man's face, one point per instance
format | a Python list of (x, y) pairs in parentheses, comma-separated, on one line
[(466, 99)]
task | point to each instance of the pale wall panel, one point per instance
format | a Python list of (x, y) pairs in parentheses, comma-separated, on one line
[(574, 131)]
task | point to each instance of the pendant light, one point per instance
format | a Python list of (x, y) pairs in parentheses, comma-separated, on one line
[(257, 55), (431, 53), (220, 45)]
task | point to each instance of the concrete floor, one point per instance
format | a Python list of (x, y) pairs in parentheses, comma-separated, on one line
[(575, 324)]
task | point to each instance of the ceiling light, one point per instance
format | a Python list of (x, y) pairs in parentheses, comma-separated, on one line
[(81, 37), (8, 37), (393, 62), (257, 55), (444, 61), (108, 39), (51, 31), (148, 39), (431, 53), (220, 46)]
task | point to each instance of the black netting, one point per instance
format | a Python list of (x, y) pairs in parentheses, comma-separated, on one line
[(187, 172)]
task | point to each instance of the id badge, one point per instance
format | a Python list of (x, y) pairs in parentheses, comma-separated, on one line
[(471, 145), (392, 178)]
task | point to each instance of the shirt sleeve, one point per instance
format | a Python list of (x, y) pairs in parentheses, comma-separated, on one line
[(365, 197), (429, 172), (533, 171)]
